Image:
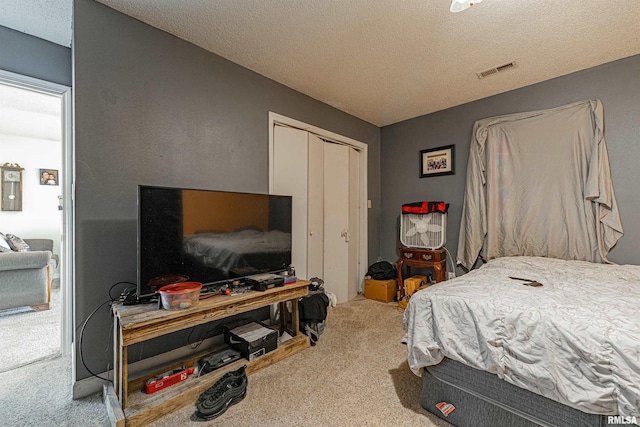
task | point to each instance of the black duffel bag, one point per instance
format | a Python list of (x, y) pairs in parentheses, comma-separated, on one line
[(382, 270)]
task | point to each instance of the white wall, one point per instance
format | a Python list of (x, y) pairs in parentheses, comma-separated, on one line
[(40, 217)]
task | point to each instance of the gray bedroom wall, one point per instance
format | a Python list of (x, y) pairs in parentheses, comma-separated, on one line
[(30, 56), (617, 84), (153, 109)]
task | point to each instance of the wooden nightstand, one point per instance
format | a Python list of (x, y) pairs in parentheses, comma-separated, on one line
[(421, 258)]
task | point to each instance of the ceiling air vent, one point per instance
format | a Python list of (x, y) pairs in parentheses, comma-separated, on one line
[(496, 70)]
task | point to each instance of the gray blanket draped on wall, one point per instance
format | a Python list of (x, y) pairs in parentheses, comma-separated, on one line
[(539, 184)]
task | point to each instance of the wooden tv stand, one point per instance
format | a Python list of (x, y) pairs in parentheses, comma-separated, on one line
[(129, 406)]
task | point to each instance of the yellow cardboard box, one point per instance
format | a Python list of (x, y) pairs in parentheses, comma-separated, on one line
[(380, 290), (413, 283)]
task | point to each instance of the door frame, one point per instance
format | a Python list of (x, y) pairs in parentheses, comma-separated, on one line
[(362, 149), (67, 279)]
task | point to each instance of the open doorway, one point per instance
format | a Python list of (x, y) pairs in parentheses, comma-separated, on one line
[(35, 317)]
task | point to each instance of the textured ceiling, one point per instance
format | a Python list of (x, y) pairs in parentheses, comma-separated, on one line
[(390, 60), (46, 19), (20, 109)]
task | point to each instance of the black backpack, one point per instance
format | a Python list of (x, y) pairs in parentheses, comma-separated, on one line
[(382, 270), (313, 310)]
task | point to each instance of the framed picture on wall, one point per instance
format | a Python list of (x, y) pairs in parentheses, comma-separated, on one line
[(437, 161), (48, 177)]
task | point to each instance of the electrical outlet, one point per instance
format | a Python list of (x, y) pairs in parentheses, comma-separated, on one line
[(451, 275)]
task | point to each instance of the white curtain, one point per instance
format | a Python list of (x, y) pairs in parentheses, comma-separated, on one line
[(539, 184)]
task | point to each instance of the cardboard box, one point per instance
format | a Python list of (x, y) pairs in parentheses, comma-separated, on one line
[(380, 290), (252, 339), (413, 283)]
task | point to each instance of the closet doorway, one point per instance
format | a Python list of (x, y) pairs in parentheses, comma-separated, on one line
[(326, 175), (35, 132)]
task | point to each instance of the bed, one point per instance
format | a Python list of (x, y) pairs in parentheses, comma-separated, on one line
[(248, 250), (575, 340), (539, 205)]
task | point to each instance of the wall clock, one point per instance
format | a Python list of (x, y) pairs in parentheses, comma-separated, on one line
[(11, 179)]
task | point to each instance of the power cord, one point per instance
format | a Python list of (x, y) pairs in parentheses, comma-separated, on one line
[(84, 324), (111, 300), (453, 266), (210, 332), (132, 285)]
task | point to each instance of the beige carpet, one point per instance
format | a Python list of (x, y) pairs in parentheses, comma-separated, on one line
[(28, 336), (357, 375), (39, 395)]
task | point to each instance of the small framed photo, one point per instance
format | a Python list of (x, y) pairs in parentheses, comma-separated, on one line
[(48, 177), (437, 161)]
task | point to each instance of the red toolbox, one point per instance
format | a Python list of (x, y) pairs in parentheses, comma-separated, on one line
[(167, 379)]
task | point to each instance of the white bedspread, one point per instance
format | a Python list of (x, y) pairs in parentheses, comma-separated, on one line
[(575, 340)]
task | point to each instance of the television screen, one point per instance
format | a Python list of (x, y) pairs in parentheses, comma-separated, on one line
[(209, 236)]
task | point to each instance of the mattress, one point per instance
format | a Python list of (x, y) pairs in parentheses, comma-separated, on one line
[(575, 340)]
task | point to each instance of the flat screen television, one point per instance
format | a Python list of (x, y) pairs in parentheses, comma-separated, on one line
[(209, 236)]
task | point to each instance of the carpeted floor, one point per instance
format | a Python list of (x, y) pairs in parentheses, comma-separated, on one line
[(28, 335), (357, 375), (39, 395)]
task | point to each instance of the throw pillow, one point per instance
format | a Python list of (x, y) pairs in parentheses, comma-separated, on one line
[(4, 244), (17, 244)]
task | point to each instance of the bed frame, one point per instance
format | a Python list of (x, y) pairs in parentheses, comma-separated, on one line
[(482, 399)]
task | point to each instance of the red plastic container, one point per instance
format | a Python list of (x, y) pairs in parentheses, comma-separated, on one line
[(179, 296)]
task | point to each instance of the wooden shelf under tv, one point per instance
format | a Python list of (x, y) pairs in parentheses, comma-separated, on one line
[(128, 406)]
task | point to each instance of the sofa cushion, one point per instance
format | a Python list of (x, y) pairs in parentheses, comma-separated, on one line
[(16, 243), (43, 245), (24, 260), (4, 244)]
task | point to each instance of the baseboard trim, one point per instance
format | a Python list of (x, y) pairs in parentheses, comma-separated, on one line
[(92, 385)]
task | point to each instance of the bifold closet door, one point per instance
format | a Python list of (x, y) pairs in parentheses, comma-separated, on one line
[(341, 220), (315, 206), (336, 220), (354, 223), (323, 179), (290, 172)]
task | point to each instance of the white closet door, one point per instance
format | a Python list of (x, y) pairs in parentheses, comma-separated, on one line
[(323, 178), (336, 220), (354, 223), (290, 172), (315, 237)]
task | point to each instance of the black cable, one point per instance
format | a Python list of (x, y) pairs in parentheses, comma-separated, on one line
[(211, 331), (189, 343), (82, 333), (119, 283), (84, 324), (107, 347)]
